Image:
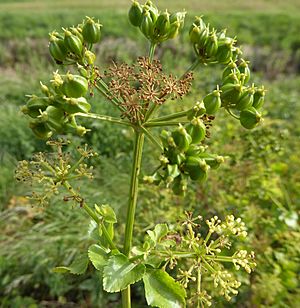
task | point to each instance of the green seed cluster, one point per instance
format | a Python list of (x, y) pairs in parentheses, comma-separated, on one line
[(238, 96), (212, 46), (75, 43), (215, 47), (55, 111), (184, 157), (156, 26)]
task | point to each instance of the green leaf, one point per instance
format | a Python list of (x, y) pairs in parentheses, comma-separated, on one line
[(77, 267), (98, 256), (120, 272), (107, 213), (158, 233), (162, 290)]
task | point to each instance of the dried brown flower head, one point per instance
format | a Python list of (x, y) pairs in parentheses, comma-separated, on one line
[(142, 84)]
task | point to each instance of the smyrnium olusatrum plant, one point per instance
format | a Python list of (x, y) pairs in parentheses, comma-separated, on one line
[(192, 251)]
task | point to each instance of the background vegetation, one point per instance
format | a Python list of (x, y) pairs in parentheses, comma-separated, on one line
[(260, 181)]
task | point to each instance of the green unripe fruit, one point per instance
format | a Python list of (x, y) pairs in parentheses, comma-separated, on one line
[(174, 156), (196, 168), (195, 34), (195, 150), (197, 111), (211, 46), (54, 118), (149, 6), (181, 138), (212, 102), (244, 69), (197, 130), (75, 86), (57, 49), (162, 25), (135, 14), (178, 17), (40, 130), (214, 161), (147, 25), (180, 185), (172, 173), (224, 54), (232, 78), (259, 98), (35, 105), (89, 57), (249, 118), (82, 71), (231, 93), (174, 30), (73, 43), (199, 23), (203, 37), (246, 99), (77, 33), (91, 31), (74, 105), (229, 69)]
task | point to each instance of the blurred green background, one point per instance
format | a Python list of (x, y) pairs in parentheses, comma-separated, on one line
[(260, 181)]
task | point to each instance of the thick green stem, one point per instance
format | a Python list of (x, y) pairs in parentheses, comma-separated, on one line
[(151, 51), (133, 193)]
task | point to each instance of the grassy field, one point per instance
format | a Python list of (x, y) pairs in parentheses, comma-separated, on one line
[(259, 182), (288, 6)]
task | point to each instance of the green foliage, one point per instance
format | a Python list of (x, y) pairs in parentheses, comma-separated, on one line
[(161, 290), (264, 190)]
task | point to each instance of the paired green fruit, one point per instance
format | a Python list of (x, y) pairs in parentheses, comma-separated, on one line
[(197, 130), (73, 43), (91, 31), (212, 102), (249, 118), (57, 49), (74, 86), (196, 168)]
